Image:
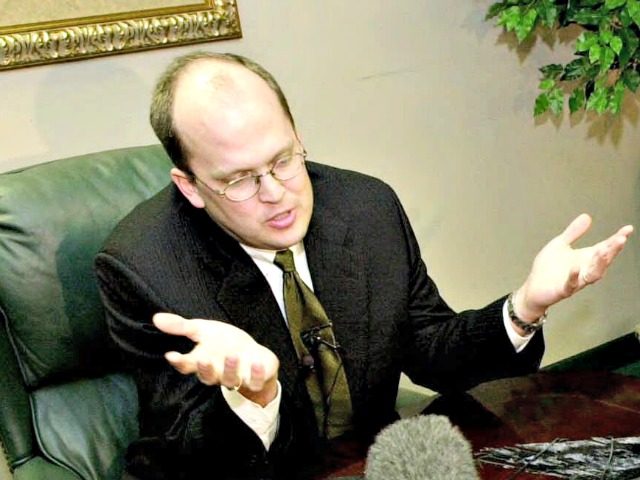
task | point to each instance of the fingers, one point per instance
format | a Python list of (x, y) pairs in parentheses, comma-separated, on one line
[(615, 242), (594, 260), (193, 362), (231, 377), (576, 228), (574, 280), (258, 377), (231, 374), (224, 354), (204, 368), (175, 325), (625, 231), (579, 226), (591, 274), (183, 363), (206, 373), (603, 255), (202, 330), (261, 370)]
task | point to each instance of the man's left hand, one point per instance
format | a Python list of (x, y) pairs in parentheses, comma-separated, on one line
[(559, 270)]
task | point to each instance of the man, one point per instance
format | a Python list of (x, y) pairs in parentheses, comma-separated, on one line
[(197, 301)]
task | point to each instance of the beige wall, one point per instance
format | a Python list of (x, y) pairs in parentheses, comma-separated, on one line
[(424, 94)]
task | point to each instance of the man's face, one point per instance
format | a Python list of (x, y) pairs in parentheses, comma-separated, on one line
[(241, 131)]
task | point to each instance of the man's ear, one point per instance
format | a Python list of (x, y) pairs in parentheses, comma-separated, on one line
[(188, 188)]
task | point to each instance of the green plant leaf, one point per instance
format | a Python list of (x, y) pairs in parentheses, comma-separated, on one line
[(607, 57), (631, 79), (547, 84), (624, 17), (576, 100), (553, 70), (526, 24), (599, 99), (495, 9), (556, 101), (586, 16), (594, 53), (585, 41), (509, 18), (542, 104), (629, 46), (547, 12), (616, 97), (616, 45), (611, 4), (605, 37), (633, 8), (574, 69)]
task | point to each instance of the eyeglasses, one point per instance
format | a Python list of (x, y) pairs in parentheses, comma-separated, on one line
[(243, 188)]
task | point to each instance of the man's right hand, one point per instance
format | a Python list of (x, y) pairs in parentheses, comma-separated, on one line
[(223, 355)]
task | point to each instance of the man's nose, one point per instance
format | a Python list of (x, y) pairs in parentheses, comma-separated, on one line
[(271, 189)]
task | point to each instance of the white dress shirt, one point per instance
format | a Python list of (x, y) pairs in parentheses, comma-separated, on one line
[(264, 420)]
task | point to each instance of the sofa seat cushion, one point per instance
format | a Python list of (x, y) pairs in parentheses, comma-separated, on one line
[(38, 469)]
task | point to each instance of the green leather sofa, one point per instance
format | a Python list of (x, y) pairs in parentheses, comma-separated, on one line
[(66, 413)]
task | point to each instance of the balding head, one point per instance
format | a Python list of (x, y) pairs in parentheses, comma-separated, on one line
[(221, 78)]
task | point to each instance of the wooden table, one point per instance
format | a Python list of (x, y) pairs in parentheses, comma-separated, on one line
[(536, 408)]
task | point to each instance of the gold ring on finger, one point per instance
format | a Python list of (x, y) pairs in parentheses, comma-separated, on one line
[(235, 388)]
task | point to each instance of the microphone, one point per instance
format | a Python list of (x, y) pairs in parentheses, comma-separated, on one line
[(427, 447), (312, 338)]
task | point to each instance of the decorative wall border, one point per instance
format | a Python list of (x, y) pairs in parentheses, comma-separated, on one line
[(77, 39)]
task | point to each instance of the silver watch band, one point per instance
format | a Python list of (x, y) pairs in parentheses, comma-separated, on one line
[(528, 327)]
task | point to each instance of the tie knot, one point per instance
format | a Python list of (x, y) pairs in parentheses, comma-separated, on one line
[(284, 260)]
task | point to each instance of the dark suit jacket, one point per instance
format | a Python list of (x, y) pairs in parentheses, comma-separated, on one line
[(368, 274)]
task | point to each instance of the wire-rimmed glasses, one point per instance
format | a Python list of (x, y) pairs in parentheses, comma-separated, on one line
[(247, 186)]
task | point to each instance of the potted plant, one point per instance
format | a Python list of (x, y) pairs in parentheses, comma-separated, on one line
[(606, 51)]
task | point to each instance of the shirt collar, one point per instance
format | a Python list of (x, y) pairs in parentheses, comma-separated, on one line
[(270, 255)]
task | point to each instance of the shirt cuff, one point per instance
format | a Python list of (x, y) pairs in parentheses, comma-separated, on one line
[(518, 341), (262, 420)]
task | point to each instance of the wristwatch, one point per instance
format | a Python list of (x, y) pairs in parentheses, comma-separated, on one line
[(528, 327)]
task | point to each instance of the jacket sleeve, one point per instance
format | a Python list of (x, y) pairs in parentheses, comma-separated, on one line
[(449, 351)]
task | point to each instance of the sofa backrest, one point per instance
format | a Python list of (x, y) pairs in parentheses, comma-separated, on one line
[(62, 395)]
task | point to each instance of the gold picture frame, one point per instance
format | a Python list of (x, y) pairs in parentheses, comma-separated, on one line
[(64, 38)]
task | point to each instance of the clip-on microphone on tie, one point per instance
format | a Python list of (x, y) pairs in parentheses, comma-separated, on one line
[(312, 340)]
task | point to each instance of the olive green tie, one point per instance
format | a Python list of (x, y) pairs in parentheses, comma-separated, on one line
[(312, 335)]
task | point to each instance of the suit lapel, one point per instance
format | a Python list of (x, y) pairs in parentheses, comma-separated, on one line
[(337, 271), (242, 293)]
